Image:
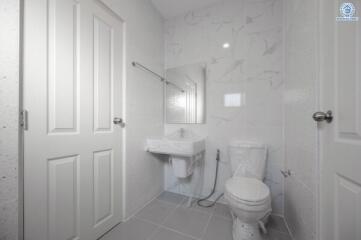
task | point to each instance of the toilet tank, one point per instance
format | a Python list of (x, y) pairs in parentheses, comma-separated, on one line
[(248, 159)]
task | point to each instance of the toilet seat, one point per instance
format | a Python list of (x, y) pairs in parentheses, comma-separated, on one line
[(247, 196), (247, 191)]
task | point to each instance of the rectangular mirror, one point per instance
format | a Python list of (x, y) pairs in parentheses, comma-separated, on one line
[(185, 100)]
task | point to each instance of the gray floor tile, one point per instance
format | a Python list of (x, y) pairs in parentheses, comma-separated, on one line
[(223, 210), (156, 211), (166, 234), (188, 221), (170, 197), (219, 228), (275, 235), (133, 229), (195, 206), (277, 223)]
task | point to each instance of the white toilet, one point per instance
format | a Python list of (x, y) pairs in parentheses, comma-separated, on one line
[(247, 195)]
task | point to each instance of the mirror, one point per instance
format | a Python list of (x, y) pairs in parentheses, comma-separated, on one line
[(185, 94)]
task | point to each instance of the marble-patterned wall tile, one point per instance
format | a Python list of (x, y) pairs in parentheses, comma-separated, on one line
[(251, 66), (301, 71), (300, 208)]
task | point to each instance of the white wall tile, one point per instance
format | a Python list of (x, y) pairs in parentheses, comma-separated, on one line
[(252, 65), (300, 131)]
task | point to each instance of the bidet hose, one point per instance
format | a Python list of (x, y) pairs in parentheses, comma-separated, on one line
[(199, 202)]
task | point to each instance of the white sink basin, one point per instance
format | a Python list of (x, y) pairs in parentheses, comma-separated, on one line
[(184, 149), (176, 146)]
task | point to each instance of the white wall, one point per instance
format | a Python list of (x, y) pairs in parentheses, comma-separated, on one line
[(253, 66), (143, 173), (300, 130), (9, 106)]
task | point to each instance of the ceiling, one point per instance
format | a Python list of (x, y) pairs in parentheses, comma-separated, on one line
[(174, 8)]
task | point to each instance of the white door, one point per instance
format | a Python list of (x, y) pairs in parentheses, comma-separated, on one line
[(73, 58), (340, 198)]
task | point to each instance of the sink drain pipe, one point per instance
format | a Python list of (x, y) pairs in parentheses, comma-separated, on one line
[(200, 201)]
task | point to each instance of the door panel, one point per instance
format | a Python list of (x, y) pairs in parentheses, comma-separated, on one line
[(340, 188), (103, 75), (63, 197), (347, 208), (106, 67), (63, 79), (103, 187), (347, 72), (73, 64)]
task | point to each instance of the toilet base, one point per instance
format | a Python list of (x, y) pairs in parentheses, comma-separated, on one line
[(245, 231)]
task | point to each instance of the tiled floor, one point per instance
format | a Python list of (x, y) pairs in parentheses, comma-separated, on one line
[(168, 218)]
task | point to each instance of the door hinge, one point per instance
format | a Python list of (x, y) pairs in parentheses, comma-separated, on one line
[(24, 119)]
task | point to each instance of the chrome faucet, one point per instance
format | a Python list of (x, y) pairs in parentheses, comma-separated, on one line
[(181, 132)]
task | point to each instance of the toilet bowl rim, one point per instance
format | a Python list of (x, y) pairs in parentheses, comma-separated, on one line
[(232, 200), (235, 197)]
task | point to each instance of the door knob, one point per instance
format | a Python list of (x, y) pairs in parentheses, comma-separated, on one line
[(323, 116), (118, 121)]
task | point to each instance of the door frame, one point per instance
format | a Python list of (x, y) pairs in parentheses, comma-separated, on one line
[(318, 105), (21, 139), (21, 201)]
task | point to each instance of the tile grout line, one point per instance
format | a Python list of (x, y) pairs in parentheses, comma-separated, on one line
[(153, 233), (181, 233), (211, 214), (285, 225), (179, 205), (171, 212), (207, 225), (199, 210), (221, 216), (278, 231), (290, 234), (160, 226), (164, 201), (140, 209)]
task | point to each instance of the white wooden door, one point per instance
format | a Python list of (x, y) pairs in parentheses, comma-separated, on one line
[(73, 58), (340, 198)]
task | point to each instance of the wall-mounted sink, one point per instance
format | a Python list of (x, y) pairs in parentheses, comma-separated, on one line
[(176, 147), (183, 149)]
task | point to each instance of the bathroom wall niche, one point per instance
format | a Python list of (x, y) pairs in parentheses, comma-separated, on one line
[(185, 97)]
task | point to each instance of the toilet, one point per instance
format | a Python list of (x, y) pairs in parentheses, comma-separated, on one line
[(247, 195)]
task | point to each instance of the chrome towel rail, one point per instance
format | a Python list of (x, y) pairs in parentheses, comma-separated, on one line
[(144, 68)]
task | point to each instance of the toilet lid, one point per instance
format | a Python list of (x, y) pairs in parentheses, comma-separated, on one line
[(247, 189)]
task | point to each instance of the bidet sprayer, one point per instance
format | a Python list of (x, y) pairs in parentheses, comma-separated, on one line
[(199, 202)]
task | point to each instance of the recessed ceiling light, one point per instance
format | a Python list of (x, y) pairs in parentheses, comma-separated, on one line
[(226, 45)]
